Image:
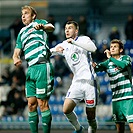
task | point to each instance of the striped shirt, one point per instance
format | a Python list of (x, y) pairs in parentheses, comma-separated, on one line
[(120, 75), (33, 43)]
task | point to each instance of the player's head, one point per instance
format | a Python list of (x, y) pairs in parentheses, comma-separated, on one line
[(116, 47), (29, 14), (71, 29), (119, 43)]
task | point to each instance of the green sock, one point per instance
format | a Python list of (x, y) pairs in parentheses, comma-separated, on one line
[(46, 121), (33, 121)]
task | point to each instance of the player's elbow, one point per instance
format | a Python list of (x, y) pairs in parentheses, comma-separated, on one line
[(94, 49)]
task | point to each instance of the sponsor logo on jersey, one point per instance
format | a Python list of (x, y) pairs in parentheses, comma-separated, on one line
[(75, 57), (31, 30)]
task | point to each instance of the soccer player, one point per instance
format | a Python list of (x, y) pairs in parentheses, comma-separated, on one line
[(32, 41), (119, 69), (84, 86)]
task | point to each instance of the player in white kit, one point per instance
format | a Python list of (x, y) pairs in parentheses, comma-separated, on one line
[(77, 52)]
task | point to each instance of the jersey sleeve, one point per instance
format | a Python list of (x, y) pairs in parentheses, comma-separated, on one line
[(85, 43), (53, 50), (126, 61), (41, 21), (101, 66), (18, 42)]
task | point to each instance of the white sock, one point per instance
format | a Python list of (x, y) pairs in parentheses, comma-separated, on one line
[(72, 117)]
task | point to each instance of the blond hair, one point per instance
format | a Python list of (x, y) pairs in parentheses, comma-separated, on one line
[(33, 11)]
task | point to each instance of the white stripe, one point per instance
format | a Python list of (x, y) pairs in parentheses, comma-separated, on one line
[(48, 78), (43, 42), (48, 72), (130, 117), (119, 76), (29, 44), (120, 83), (33, 61), (122, 98), (33, 51), (40, 36), (31, 36), (122, 91)]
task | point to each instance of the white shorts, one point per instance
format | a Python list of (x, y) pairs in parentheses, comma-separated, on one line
[(82, 89)]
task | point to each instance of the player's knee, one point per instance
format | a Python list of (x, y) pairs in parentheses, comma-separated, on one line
[(65, 111), (32, 106), (43, 104)]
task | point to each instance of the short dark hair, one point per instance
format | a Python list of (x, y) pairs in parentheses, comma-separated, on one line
[(121, 46), (74, 23)]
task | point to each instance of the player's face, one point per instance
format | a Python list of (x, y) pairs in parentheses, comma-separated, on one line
[(27, 16), (115, 49), (70, 31)]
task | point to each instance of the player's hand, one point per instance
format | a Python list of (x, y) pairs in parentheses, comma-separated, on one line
[(17, 62), (39, 26), (108, 53), (70, 40), (94, 64), (59, 49)]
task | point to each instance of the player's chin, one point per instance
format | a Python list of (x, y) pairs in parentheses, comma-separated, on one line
[(68, 37)]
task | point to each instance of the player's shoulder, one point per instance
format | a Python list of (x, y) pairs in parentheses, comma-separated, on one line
[(127, 57), (83, 37), (22, 30), (40, 21)]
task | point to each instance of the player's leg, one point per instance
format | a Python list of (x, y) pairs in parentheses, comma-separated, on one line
[(68, 108), (120, 126), (91, 95), (73, 96), (33, 114), (91, 113), (131, 127), (46, 115), (32, 102), (44, 85), (129, 113)]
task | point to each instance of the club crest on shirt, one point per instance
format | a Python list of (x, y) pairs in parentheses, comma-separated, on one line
[(75, 57)]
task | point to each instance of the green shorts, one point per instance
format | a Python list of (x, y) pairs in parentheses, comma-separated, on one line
[(40, 81), (123, 110)]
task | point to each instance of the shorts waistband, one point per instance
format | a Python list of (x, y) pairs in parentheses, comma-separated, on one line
[(43, 62)]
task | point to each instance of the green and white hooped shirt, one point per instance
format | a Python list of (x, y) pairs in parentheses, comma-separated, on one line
[(120, 74), (33, 43)]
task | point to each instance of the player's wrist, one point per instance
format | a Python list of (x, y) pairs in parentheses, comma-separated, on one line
[(44, 27), (72, 41)]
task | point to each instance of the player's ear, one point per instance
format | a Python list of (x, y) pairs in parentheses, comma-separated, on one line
[(121, 50), (34, 16), (76, 31)]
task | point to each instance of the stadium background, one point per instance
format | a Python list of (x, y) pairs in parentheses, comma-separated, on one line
[(101, 16)]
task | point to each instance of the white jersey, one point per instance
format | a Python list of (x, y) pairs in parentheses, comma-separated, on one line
[(79, 59)]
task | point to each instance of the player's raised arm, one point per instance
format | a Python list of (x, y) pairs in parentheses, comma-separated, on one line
[(86, 44)]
